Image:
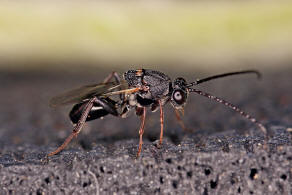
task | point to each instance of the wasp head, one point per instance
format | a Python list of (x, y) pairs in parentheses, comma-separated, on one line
[(179, 93)]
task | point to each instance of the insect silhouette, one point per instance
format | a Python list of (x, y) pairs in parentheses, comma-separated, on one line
[(136, 90)]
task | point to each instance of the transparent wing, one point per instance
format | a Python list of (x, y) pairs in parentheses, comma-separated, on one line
[(86, 92)]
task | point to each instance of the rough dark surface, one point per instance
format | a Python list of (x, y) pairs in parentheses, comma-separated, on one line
[(224, 153)]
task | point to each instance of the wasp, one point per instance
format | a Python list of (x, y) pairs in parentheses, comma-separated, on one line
[(136, 90)]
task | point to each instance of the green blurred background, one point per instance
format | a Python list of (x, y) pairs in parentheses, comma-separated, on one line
[(183, 35)]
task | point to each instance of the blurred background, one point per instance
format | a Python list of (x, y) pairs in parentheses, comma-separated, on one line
[(207, 35), (48, 47)]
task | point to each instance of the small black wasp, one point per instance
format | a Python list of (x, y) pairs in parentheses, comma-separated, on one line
[(137, 89)]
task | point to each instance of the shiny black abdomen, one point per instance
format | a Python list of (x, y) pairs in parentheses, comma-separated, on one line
[(78, 109), (100, 109)]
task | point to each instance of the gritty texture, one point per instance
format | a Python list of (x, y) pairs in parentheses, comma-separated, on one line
[(222, 153)]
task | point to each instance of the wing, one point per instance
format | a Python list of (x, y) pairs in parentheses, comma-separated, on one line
[(88, 91)]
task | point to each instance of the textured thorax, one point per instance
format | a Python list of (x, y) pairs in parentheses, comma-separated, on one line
[(157, 82)]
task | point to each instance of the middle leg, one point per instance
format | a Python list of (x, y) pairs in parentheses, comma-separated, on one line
[(141, 131), (161, 123)]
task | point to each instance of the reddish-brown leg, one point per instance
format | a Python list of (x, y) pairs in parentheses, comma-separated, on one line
[(76, 129), (141, 131), (110, 76), (161, 123), (118, 80), (180, 121)]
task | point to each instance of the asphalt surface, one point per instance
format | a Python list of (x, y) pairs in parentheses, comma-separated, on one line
[(222, 153)]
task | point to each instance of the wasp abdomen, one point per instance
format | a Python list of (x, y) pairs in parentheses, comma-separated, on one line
[(100, 108), (96, 112)]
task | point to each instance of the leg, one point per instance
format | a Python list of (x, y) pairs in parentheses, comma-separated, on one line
[(101, 107), (161, 123), (108, 105), (77, 127), (118, 80), (141, 131), (180, 121), (110, 76)]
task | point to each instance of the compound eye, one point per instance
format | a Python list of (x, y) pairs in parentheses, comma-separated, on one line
[(179, 97)]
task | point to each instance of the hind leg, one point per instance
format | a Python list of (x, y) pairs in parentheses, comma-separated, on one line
[(112, 75), (77, 127), (117, 78)]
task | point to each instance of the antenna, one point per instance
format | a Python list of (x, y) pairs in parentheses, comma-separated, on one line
[(198, 81), (233, 107)]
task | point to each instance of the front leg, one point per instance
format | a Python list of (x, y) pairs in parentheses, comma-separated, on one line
[(180, 121)]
